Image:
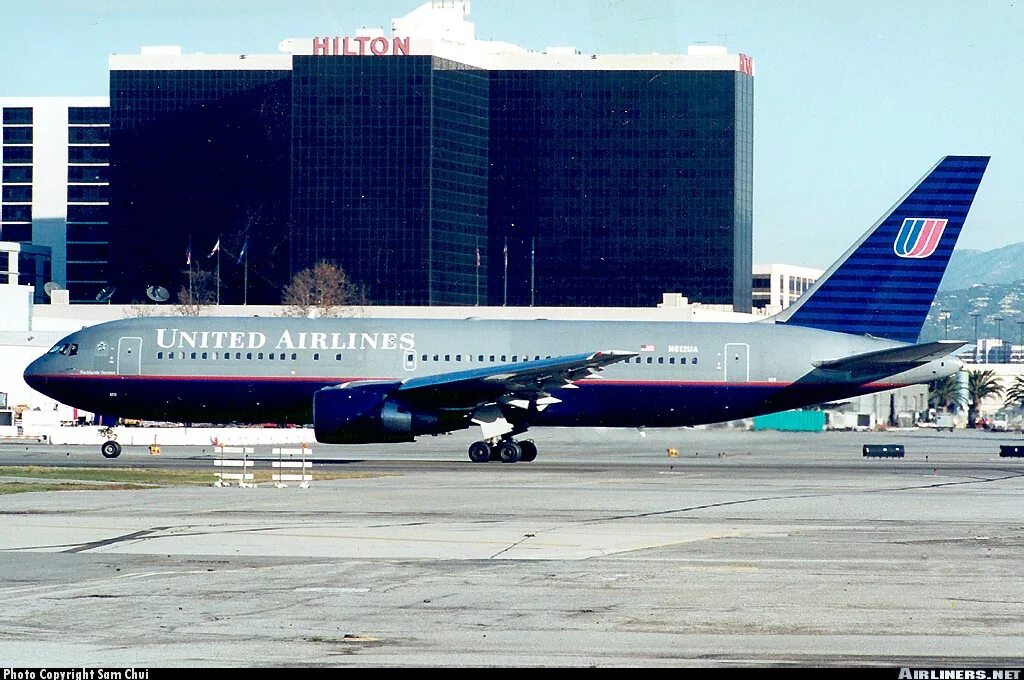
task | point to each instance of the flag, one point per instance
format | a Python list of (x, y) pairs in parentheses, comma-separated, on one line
[(216, 247), (241, 253), (646, 348), (477, 258)]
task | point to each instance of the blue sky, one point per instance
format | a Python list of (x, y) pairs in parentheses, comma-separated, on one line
[(853, 101)]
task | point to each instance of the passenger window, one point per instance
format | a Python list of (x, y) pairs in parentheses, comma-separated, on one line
[(458, 357), (435, 357), (661, 360), (693, 360), (424, 357), (480, 357), (515, 357), (294, 356), (248, 355), (271, 356), (503, 357), (316, 357), (159, 355), (238, 355), (650, 360), (170, 355), (193, 355), (671, 360), (447, 357), (638, 360), (337, 357), (259, 356), (492, 358), (227, 355), (204, 355)]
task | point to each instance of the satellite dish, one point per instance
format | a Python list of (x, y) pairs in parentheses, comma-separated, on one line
[(49, 287), (158, 294), (105, 294)]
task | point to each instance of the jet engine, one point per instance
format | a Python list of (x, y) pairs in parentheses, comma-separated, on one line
[(367, 412)]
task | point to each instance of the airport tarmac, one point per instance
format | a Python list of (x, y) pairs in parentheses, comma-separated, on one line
[(749, 548)]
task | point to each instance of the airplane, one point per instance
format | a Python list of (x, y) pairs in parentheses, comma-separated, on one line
[(391, 380)]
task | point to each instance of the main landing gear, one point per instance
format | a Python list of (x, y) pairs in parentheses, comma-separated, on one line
[(505, 450)]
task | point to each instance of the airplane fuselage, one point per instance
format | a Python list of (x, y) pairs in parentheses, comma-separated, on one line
[(217, 370)]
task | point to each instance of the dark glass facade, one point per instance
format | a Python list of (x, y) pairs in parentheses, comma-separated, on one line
[(389, 174), (414, 173), (197, 156), (612, 187), (16, 181), (88, 217)]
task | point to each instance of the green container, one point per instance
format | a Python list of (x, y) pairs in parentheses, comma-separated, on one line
[(792, 421)]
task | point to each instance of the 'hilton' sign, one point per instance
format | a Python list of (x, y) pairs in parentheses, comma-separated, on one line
[(359, 46)]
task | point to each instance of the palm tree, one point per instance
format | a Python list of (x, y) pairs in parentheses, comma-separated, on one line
[(946, 393), (980, 384), (1015, 395)]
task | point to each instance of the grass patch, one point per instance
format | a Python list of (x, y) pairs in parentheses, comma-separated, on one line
[(74, 479), (7, 488)]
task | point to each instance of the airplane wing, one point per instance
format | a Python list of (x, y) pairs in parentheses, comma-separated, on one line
[(892, 359), (516, 384)]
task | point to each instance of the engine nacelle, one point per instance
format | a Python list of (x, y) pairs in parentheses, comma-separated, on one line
[(368, 412)]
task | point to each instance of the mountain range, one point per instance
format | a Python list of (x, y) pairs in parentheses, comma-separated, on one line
[(970, 267)]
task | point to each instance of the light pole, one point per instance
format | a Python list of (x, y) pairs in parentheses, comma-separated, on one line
[(1020, 325), (975, 315), (944, 315)]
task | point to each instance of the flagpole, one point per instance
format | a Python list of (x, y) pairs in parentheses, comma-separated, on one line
[(533, 258), (504, 300), (218, 270), (245, 280), (478, 272)]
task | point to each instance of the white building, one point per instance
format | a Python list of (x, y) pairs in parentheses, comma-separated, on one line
[(55, 158), (777, 286)]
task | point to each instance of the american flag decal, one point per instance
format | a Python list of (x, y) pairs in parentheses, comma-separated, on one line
[(646, 348)]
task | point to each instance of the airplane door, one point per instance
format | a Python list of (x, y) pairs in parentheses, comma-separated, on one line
[(737, 362), (409, 361), (129, 356)]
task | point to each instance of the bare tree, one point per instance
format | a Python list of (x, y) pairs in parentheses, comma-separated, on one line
[(201, 291), (324, 290)]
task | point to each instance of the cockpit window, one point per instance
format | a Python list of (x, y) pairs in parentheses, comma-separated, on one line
[(67, 349)]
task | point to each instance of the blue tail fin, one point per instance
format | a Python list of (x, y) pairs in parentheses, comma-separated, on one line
[(885, 284)]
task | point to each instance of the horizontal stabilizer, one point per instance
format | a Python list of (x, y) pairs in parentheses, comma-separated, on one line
[(887, 359)]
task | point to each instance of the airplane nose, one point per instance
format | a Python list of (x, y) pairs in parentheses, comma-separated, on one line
[(34, 374)]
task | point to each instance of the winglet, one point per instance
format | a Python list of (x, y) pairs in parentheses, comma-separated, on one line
[(885, 284)]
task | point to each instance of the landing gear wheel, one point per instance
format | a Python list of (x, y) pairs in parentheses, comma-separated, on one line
[(529, 451), (479, 452), (110, 449), (509, 451)]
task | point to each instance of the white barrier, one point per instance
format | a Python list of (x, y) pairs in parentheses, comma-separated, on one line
[(245, 478), (281, 477)]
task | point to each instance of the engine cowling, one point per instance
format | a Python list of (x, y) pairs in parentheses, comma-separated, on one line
[(370, 412)]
